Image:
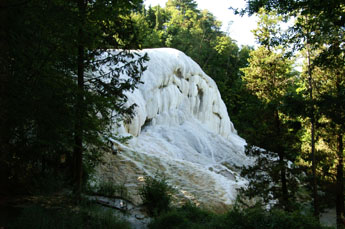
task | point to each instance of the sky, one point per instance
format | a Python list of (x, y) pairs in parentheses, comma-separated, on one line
[(239, 28)]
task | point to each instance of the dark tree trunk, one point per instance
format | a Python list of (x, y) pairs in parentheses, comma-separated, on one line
[(78, 135), (4, 68), (4, 79), (340, 184), (281, 154), (285, 193), (312, 120)]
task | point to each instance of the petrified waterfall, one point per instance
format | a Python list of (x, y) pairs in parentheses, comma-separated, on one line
[(182, 130)]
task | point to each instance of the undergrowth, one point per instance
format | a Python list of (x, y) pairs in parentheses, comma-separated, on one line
[(86, 215), (156, 194), (110, 189), (189, 216)]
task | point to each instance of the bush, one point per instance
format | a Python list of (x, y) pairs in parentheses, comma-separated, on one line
[(38, 217), (110, 189), (251, 218), (113, 190), (90, 216), (156, 195), (188, 216), (99, 217)]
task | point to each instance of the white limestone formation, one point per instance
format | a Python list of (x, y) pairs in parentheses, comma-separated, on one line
[(181, 129)]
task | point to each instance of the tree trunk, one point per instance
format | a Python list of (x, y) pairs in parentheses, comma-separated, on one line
[(78, 135), (340, 184), (4, 69), (312, 120), (285, 193), (4, 79), (281, 154)]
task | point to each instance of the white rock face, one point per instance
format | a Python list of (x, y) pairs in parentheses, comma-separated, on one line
[(181, 129)]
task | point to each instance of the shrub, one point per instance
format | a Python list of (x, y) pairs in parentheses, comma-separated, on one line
[(90, 216), (156, 195), (110, 189), (190, 216), (257, 218), (99, 217)]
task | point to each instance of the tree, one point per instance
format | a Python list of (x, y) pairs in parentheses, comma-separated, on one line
[(332, 107), (302, 39), (324, 24), (182, 5), (36, 116), (269, 77), (54, 88), (106, 22)]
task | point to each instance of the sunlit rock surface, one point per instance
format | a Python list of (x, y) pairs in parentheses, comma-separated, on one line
[(182, 130)]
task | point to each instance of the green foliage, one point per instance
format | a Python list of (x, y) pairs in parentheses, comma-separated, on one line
[(39, 88), (265, 180), (39, 217), (98, 217), (251, 218), (318, 32), (258, 218), (269, 77), (110, 189), (87, 217), (188, 216), (156, 195)]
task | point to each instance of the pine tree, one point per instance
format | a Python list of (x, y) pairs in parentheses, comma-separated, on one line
[(269, 77), (55, 95), (325, 27)]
